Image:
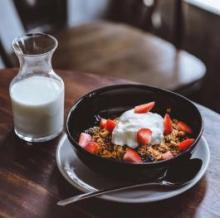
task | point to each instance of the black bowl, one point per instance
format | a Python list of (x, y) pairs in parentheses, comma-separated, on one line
[(112, 101)]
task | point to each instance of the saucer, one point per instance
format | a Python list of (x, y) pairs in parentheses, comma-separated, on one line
[(86, 180)]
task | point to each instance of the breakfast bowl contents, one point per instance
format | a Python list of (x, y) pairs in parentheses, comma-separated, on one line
[(133, 130), (138, 136)]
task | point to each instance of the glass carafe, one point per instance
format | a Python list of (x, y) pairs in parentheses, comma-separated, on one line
[(37, 92)]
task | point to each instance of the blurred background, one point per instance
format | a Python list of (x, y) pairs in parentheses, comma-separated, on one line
[(172, 44)]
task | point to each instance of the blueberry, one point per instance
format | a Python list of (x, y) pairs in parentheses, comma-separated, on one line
[(149, 158)]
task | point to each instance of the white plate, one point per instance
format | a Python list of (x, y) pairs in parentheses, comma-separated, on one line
[(84, 179)]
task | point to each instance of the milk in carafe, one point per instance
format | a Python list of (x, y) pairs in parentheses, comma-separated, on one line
[(37, 104)]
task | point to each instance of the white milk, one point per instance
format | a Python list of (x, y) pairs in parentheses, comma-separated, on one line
[(38, 106)]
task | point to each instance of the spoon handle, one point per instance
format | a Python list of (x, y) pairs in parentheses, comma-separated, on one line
[(108, 191)]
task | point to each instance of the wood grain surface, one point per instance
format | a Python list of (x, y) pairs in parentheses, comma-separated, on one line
[(122, 51), (30, 183)]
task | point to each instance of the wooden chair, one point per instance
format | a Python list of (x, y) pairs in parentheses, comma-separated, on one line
[(43, 15), (28, 16), (120, 50), (123, 51), (4, 56)]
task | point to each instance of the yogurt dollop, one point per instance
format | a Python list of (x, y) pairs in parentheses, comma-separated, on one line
[(125, 132)]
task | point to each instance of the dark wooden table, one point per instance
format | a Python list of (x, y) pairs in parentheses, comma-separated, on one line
[(122, 51), (30, 183)]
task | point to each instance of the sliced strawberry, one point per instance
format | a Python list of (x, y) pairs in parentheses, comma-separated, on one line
[(144, 136), (184, 127), (167, 124), (144, 108), (185, 144), (166, 156), (102, 123), (110, 125), (84, 139), (132, 156), (92, 147)]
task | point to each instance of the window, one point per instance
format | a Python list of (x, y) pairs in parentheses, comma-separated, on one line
[(209, 5)]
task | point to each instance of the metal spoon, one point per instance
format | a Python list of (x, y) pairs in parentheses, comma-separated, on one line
[(174, 177)]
